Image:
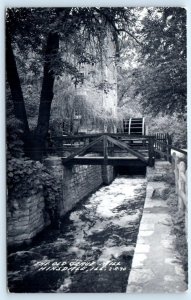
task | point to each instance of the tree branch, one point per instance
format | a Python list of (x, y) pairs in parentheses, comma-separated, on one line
[(131, 35), (114, 26)]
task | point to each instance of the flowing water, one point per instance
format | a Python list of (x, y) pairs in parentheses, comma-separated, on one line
[(93, 249)]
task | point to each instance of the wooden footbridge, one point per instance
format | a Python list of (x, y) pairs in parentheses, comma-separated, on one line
[(117, 149)]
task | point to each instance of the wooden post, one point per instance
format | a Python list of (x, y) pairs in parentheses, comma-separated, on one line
[(169, 142), (151, 152), (105, 149), (167, 150), (105, 155)]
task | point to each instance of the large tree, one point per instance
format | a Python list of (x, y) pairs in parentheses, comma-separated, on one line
[(162, 68), (50, 33)]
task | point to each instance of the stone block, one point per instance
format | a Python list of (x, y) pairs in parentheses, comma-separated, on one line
[(22, 237), (17, 231), (162, 192), (23, 218)]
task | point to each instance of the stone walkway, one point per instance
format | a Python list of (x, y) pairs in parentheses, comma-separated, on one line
[(156, 265)]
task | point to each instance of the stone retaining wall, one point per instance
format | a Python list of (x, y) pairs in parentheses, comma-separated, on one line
[(78, 181), (179, 164), (26, 219), (30, 217), (157, 265)]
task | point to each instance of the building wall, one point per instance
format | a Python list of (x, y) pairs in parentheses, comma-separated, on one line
[(100, 87)]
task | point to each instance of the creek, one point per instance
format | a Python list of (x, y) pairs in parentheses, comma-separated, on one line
[(93, 249)]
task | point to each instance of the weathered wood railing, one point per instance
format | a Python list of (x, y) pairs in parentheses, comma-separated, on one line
[(161, 143), (105, 142), (74, 142), (165, 149), (158, 145)]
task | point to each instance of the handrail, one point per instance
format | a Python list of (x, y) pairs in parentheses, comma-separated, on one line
[(82, 150), (124, 146), (152, 139), (130, 136), (171, 147)]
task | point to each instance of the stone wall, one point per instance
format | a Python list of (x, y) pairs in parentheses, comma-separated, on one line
[(158, 261), (30, 217), (170, 179), (161, 178), (179, 164), (26, 219), (78, 181)]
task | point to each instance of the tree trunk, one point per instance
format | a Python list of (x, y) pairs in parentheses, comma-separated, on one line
[(15, 86), (46, 97)]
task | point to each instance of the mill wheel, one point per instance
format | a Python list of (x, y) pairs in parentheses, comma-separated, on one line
[(134, 126)]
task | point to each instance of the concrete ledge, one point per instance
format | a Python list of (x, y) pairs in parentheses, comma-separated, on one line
[(156, 266)]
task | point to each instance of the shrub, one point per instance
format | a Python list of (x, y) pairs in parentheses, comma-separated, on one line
[(26, 177)]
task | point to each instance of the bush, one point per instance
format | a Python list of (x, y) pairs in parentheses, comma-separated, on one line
[(174, 125), (26, 177)]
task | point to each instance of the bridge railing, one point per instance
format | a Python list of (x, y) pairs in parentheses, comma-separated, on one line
[(165, 149), (71, 143), (83, 139), (106, 143), (156, 146)]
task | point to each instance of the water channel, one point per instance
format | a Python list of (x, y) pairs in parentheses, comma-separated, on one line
[(93, 249)]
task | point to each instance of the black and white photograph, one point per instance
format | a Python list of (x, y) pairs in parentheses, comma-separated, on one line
[(96, 149)]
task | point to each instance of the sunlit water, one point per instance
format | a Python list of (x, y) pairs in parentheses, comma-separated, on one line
[(92, 251)]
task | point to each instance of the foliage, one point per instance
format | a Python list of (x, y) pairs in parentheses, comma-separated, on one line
[(129, 99), (173, 124), (81, 32), (152, 77), (70, 103), (26, 177), (161, 75), (156, 70), (130, 105), (152, 45), (14, 138), (23, 178)]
